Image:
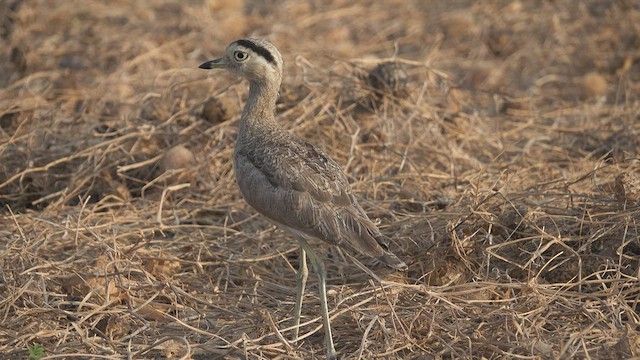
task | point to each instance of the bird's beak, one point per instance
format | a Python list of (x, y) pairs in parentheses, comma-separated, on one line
[(213, 64)]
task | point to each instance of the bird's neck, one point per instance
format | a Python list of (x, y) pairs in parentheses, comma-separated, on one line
[(260, 108)]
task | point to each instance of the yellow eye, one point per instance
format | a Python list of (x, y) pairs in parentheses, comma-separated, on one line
[(240, 56)]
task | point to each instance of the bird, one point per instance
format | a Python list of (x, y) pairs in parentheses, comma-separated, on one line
[(293, 183)]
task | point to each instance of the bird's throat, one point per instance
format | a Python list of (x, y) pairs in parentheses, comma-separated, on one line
[(260, 107)]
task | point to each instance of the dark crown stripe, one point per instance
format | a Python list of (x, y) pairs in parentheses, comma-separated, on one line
[(265, 53)]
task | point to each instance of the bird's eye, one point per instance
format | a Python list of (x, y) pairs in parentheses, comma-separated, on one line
[(240, 56)]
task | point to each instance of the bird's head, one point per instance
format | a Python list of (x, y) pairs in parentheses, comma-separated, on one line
[(254, 59)]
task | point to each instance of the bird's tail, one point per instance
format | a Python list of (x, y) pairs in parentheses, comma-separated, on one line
[(392, 261)]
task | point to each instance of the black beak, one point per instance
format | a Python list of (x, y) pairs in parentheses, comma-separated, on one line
[(206, 65), (213, 64)]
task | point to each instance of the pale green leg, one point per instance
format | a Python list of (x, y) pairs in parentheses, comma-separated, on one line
[(318, 266), (301, 276)]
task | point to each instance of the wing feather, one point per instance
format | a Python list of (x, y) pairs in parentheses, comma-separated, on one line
[(299, 186)]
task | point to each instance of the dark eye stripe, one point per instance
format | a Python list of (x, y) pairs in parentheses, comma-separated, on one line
[(265, 53)]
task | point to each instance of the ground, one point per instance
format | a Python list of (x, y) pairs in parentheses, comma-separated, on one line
[(502, 160)]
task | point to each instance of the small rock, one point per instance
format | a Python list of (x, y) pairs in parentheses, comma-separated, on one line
[(594, 85), (627, 187), (389, 77), (178, 157), (217, 110)]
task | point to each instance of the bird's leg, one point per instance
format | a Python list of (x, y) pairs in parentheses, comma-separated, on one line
[(318, 266), (301, 277)]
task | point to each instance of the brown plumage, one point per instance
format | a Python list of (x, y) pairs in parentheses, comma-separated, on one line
[(290, 181), (296, 185)]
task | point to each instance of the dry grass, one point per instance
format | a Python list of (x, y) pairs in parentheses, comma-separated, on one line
[(507, 175)]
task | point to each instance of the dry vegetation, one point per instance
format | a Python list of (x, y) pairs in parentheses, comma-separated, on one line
[(506, 171)]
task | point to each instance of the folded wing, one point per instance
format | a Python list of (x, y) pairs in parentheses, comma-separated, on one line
[(300, 187)]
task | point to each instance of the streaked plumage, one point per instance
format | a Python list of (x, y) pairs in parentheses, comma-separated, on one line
[(290, 181), (295, 184)]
